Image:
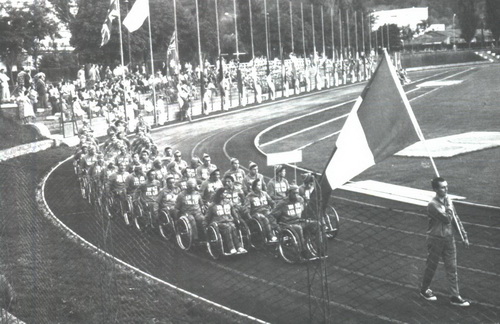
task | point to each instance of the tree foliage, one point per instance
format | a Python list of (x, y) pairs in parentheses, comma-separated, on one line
[(467, 19), (493, 17), (23, 30)]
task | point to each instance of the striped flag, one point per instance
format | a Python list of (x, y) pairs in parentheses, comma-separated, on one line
[(137, 15), (380, 124), (106, 27)]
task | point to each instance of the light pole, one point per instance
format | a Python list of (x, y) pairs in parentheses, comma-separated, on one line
[(454, 40)]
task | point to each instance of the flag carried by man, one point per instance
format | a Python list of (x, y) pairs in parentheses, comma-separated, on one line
[(380, 124), (137, 15), (110, 17)]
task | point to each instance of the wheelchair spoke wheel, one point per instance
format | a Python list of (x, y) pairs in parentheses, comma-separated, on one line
[(184, 233), (166, 226), (108, 206), (331, 222), (214, 243), (289, 246), (140, 218), (257, 236)]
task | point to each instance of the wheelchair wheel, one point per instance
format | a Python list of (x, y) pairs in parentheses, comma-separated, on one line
[(108, 206), (128, 211), (166, 226), (257, 236), (184, 233), (244, 234), (332, 222), (289, 247), (214, 242), (84, 187), (139, 218)]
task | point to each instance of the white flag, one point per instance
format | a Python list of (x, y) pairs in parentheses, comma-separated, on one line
[(137, 15)]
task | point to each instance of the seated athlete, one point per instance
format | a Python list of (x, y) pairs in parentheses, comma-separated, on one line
[(253, 174), (259, 205), (189, 203), (210, 186), (235, 197), (278, 187), (168, 196), (236, 172), (148, 194), (289, 212), (204, 170), (222, 213), (117, 183)]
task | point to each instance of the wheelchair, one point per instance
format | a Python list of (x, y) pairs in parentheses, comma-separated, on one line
[(184, 233), (142, 216), (291, 250), (166, 225), (215, 244), (85, 186), (257, 238), (331, 222)]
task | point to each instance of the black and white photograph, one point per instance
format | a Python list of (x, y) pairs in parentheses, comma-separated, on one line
[(250, 161)]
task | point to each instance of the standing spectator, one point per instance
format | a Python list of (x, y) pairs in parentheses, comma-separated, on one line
[(81, 78), (4, 86), (54, 98), (41, 89), (443, 220)]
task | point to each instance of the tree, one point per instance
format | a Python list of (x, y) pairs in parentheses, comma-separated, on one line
[(467, 19), (492, 9), (24, 30)]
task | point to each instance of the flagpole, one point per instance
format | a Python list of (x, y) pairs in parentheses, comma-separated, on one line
[(303, 36), (251, 27), (123, 64), (152, 65), (313, 28), (356, 32), (323, 31), (291, 24), (217, 24), (348, 34), (333, 35), (176, 36), (267, 36), (238, 74), (363, 33), (202, 87), (281, 49), (341, 36), (370, 32)]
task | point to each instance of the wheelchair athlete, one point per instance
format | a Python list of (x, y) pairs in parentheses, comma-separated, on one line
[(259, 205), (168, 196), (148, 194), (189, 203), (288, 212), (223, 214), (117, 184)]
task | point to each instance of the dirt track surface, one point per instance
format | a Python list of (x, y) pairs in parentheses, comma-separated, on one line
[(374, 265)]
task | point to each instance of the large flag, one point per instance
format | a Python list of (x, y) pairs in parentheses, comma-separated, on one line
[(380, 124), (137, 15), (106, 27)]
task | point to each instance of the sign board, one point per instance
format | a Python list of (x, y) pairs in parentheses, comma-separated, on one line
[(284, 157)]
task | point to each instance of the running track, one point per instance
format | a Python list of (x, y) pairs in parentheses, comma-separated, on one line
[(379, 284)]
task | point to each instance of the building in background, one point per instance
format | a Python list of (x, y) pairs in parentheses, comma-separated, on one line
[(407, 17)]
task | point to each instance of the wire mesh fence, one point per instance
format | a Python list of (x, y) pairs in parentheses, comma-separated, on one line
[(372, 272)]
